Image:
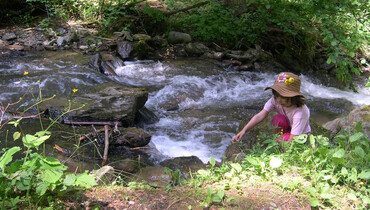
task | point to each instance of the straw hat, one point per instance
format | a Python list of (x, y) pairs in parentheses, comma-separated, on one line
[(287, 84)]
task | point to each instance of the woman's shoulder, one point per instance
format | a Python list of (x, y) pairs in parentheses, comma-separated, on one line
[(304, 110)]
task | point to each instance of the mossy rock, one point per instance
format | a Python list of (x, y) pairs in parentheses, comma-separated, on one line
[(349, 122), (317, 129), (142, 49)]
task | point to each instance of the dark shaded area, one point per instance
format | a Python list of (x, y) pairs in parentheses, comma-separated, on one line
[(14, 11)]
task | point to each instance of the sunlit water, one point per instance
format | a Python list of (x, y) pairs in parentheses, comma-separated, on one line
[(206, 101)]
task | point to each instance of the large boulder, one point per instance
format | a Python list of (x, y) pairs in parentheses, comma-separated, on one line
[(178, 37), (109, 102), (361, 114), (196, 48), (124, 49), (9, 36), (105, 63), (133, 137)]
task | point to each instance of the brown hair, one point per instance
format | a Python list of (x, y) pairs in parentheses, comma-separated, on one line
[(295, 100)]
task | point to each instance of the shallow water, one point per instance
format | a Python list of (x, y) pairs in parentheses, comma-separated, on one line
[(207, 101)]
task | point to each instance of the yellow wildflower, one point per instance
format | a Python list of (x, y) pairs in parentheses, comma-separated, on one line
[(25, 73), (74, 90)]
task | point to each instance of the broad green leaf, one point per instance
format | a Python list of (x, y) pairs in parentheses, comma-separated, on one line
[(253, 161), (344, 171), (334, 179), (328, 61), (275, 162), (41, 188), (85, 180), (51, 176), (51, 161), (32, 141), (322, 140), (42, 133), (16, 135), (359, 151), (8, 156), (23, 183), (15, 123), (356, 137), (14, 167), (314, 202), (237, 167), (365, 174), (218, 197), (69, 180), (212, 161), (353, 175), (301, 139), (311, 191), (339, 153)]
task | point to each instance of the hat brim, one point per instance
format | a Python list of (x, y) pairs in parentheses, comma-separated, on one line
[(284, 92)]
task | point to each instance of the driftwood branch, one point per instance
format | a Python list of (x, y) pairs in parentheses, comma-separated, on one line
[(137, 148), (106, 145), (185, 9), (86, 136)]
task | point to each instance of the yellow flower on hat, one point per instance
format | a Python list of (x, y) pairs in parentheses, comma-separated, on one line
[(286, 78)]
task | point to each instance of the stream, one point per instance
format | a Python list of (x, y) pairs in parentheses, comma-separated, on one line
[(199, 104)]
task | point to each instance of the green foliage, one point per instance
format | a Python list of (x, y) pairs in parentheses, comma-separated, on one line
[(214, 23), (33, 179), (339, 27), (35, 176), (331, 174)]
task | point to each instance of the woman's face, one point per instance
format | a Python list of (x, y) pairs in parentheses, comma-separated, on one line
[(283, 101)]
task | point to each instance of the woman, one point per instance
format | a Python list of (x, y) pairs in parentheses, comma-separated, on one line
[(292, 116)]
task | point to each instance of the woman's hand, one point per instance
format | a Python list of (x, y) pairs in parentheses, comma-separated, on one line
[(238, 136)]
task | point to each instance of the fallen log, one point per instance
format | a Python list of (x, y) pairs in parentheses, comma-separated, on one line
[(67, 122)]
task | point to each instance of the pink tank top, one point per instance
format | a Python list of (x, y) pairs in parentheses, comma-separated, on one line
[(299, 117)]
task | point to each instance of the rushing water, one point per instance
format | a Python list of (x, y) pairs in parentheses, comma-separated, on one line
[(199, 103)]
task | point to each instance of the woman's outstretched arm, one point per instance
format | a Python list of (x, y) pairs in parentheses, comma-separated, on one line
[(253, 122)]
